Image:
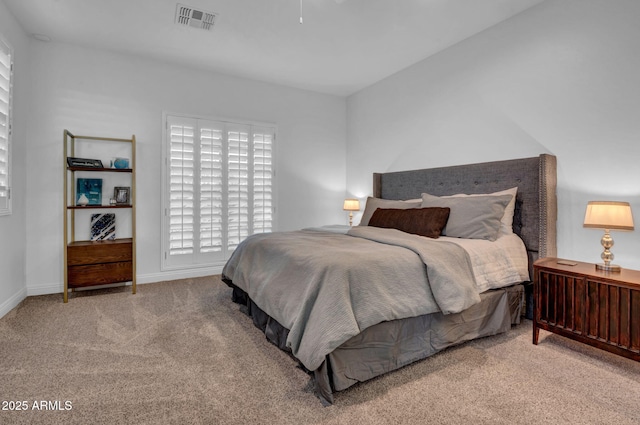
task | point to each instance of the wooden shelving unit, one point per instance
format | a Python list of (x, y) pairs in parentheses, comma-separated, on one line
[(93, 263)]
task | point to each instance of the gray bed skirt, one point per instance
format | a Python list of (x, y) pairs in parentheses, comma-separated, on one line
[(391, 345)]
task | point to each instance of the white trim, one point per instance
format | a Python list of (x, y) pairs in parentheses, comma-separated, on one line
[(12, 302), (179, 274), (193, 268), (45, 289), (226, 120)]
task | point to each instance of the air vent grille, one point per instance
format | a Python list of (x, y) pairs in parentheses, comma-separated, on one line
[(191, 17)]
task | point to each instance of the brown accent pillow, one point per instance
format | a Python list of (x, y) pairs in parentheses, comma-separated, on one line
[(374, 203), (418, 221)]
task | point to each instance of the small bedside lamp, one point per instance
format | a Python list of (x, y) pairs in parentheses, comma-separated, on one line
[(608, 215), (351, 205)]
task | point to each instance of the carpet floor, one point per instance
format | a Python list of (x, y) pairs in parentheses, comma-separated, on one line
[(181, 352)]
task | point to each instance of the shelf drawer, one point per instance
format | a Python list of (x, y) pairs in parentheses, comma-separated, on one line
[(99, 274), (79, 253)]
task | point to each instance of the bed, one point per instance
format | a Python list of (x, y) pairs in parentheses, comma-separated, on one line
[(389, 319)]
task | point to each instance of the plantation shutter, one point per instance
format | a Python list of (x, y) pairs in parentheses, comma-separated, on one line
[(211, 188), (220, 188), (262, 180), (181, 186), (238, 185), (5, 125)]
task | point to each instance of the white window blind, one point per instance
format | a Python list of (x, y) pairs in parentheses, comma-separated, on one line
[(219, 188), (263, 181), (6, 83)]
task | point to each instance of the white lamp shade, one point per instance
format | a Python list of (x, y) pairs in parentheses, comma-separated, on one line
[(351, 205), (609, 215)]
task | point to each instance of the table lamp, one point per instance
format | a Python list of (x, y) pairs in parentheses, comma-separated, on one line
[(608, 215), (351, 205)]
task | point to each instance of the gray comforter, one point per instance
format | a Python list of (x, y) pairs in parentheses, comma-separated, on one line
[(327, 287)]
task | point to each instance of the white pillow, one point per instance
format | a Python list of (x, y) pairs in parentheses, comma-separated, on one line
[(506, 223), (471, 217), (374, 203)]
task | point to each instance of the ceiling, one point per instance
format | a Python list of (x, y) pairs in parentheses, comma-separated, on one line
[(342, 46)]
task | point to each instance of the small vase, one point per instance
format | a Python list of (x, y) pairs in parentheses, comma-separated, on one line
[(83, 200), (121, 163)]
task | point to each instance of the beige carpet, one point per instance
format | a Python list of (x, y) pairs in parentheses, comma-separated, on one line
[(180, 352)]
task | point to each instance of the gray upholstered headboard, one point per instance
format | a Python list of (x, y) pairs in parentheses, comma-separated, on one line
[(536, 206)]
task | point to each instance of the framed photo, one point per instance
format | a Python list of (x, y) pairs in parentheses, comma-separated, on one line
[(83, 162), (92, 189), (122, 195)]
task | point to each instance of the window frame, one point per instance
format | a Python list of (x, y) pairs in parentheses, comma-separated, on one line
[(199, 258), (5, 201)]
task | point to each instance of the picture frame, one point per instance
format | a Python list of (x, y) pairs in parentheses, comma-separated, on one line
[(83, 162), (122, 195), (91, 188), (103, 227)]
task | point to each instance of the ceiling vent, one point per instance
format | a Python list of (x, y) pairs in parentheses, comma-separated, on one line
[(191, 17)]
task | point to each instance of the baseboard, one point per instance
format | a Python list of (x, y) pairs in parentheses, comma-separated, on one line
[(56, 288), (44, 289), (179, 274), (12, 302)]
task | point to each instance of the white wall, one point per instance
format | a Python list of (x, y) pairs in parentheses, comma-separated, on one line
[(101, 93), (13, 227), (560, 78)]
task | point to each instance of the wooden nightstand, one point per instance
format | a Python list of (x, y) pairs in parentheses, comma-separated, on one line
[(587, 305)]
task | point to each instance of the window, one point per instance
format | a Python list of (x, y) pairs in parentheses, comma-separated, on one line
[(218, 188), (6, 88)]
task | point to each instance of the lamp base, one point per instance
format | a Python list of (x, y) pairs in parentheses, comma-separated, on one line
[(612, 268)]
